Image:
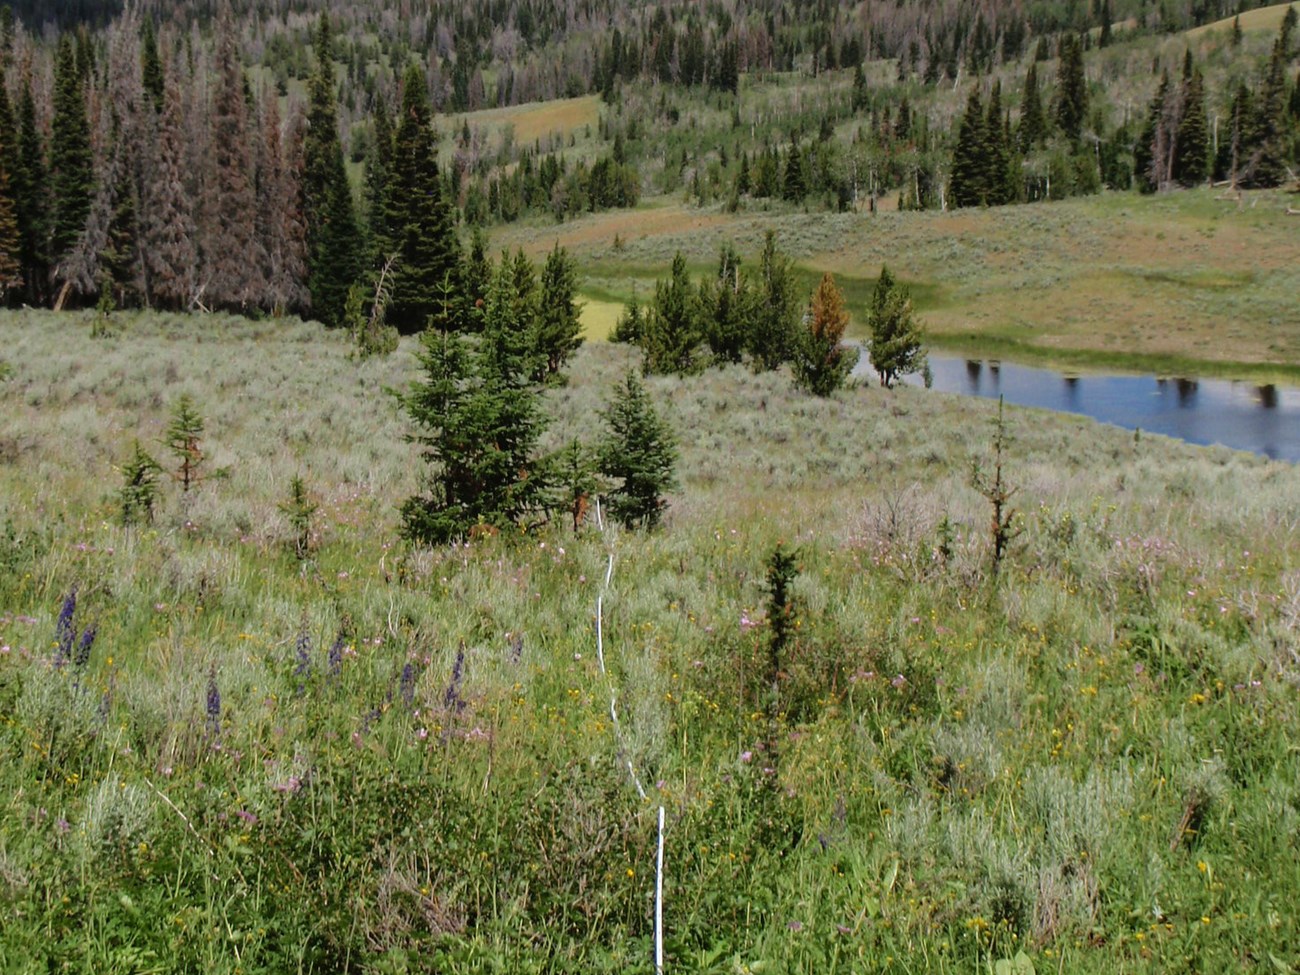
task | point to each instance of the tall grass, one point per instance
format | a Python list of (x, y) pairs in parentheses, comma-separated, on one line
[(385, 759)]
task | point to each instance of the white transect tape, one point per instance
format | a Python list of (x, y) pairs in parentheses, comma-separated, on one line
[(618, 738)]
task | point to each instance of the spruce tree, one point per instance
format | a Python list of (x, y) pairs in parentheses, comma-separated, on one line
[(280, 212), (630, 326), (1001, 180), (971, 163), (1149, 150), (821, 362), (672, 332), (334, 244), (30, 190), (11, 268), (1192, 153), (639, 454), (71, 166), (151, 69), (510, 470), (420, 219), (775, 317), (728, 308), (379, 174), (479, 420), (861, 98), (794, 183), (1264, 148), (184, 433), (438, 404), (558, 329), (1033, 123), (896, 340), (477, 280), (1071, 89)]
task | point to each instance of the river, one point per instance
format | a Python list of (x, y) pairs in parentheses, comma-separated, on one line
[(1264, 419)]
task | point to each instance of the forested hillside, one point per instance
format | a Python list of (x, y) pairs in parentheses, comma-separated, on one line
[(263, 158)]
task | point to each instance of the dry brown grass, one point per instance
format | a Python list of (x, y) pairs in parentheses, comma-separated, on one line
[(597, 233), (1262, 18), (536, 120)]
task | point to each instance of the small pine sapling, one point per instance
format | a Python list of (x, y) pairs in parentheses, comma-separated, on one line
[(631, 323), (575, 478), (300, 509), (946, 537), (782, 570), (104, 308), (182, 440), (139, 491), (1002, 527), (639, 454)]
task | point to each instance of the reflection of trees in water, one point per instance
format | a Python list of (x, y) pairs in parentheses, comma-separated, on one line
[(1072, 390)]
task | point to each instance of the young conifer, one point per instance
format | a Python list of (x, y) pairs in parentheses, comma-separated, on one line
[(639, 454), (822, 363), (671, 335), (896, 340), (558, 329), (183, 435)]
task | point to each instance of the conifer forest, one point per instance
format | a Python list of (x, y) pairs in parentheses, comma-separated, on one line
[(517, 487)]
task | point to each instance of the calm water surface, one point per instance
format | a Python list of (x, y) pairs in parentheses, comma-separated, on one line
[(1241, 415)]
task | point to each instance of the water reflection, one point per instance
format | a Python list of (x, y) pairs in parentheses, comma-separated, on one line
[(1264, 419)]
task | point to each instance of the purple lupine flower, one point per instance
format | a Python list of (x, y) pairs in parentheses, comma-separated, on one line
[(303, 667), (214, 704), (64, 631), (451, 699), (82, 655), (336, 656), (408, 684)]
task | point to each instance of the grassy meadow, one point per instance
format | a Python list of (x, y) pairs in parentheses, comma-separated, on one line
[(382, 758)]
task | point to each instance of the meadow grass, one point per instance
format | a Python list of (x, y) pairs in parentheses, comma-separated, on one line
[(1184, 280), (1259, 19), (387, 758), (565, 125)]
